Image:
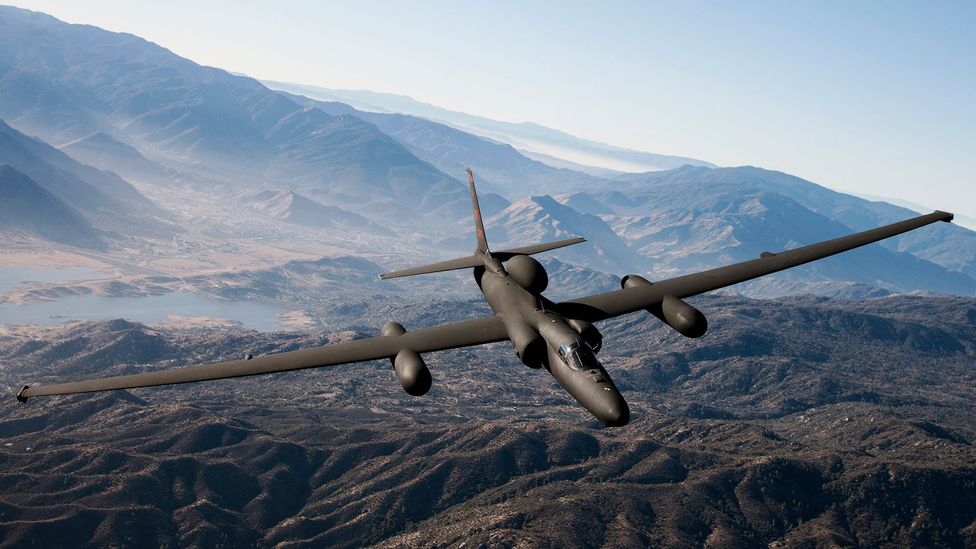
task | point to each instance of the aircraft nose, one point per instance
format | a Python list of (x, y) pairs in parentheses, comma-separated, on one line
[(616, 413)]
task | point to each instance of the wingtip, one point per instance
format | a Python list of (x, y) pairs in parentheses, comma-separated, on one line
[(21, 397), (946, 216)]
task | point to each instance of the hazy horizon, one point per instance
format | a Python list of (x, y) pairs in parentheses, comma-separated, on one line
[(869, 98)]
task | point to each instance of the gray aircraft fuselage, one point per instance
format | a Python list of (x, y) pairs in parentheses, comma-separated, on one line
[(567, 356)]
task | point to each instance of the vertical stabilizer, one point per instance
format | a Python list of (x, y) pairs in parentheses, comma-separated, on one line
[(479, 226)]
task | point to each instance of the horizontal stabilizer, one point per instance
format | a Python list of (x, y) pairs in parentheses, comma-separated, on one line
[(505, 255), (476, 261), (449, 265)]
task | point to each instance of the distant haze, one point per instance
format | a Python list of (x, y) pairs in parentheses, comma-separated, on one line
[(872, 98)]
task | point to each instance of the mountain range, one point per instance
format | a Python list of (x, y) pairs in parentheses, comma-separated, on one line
[(200, 121), (121, 103), (640, 223), (530, 138), (948, 245)]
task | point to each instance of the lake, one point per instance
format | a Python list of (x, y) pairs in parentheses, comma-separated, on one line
[(257, 315), (252, 314)]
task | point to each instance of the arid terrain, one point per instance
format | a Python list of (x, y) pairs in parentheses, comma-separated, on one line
[(799, 421)]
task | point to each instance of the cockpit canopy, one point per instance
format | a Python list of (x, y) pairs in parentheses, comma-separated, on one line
[(578, 356)]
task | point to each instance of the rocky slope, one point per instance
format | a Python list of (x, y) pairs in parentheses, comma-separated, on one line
[(542, 219), (102, 196), (102, 151), (291, 207), (26, 206), (948, 245)]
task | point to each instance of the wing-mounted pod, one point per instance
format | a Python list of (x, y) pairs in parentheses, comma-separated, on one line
[(633, 281), (411, 371), (687, 320)]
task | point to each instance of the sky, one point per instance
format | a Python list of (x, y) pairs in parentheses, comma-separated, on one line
[(871, 97)]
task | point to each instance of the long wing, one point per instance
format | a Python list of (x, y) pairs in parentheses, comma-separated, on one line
[(449, 336), (620, 302), (490, 329)]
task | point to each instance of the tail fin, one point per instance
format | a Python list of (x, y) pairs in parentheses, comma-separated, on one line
[(479, 226)]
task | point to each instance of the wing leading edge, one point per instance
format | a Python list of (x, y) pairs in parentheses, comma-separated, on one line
[(439, 338), (620, 302)]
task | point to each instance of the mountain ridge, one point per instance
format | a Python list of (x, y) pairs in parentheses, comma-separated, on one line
[(949, 245), (501, 168), (292, 207), (522, 135), (25, 205), (202, 120)]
